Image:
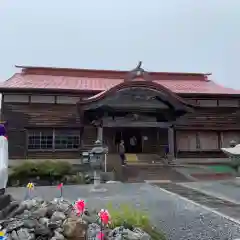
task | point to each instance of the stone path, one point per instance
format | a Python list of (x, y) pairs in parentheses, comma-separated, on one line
[(179, 219), (227, 190), (220, 205), (196, 173)]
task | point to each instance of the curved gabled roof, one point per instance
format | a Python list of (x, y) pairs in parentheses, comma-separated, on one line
[(131, 84)]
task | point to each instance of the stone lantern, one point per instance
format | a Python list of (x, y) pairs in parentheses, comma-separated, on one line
[(96, 162)]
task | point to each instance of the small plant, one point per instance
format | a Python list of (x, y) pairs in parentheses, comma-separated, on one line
[(130, 217)]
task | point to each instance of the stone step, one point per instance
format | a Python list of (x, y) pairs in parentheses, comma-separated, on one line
[(149, 172)]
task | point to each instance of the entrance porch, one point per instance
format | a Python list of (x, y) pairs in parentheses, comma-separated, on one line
[(137, 109), (148, 140)]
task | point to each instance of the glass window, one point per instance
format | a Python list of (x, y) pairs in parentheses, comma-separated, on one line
[(40, 140), (67, 141), (53, 140)]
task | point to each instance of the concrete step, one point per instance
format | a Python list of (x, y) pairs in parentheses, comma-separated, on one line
[(152, 172), (149, 158)]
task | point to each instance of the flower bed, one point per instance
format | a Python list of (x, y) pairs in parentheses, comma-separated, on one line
[(44, 173), (59, 219)]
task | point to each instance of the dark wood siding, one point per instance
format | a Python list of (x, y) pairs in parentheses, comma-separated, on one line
[(53, 155), (17, 143), (24, 116), (40, 115), (21, 117), (210, 118)]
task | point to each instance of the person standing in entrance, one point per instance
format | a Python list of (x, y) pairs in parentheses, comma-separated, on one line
[(133, 143), (122, 152)]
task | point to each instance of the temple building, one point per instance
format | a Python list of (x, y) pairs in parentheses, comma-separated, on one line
[(53, 113)]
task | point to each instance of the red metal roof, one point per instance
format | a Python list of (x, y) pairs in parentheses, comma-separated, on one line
[(176, 82)]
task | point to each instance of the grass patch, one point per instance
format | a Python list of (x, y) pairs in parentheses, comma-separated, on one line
[(130, 217), (221, 168)]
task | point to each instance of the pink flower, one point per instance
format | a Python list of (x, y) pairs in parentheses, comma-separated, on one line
[(100, 235), (104, 216), (80, 206)]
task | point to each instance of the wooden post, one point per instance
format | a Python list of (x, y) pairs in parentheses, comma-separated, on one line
[(100, 133), (171, 143)]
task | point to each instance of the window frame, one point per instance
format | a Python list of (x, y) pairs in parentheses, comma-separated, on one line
[(67, 136), (33, 132)]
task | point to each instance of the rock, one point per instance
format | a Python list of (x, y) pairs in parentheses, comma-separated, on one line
[(90, 218), (30, 223), (60, 230), (9, 237), (42, 230), (58, 236), (13, 225), (93, 230), (26, 214), (6, 212), (44, 221), (51, 208), (58, 216), (69, 227), (30, 203), (143, 235), (64, 207), (54, 224), (130, 235), (23, 234), (74, 228), (42, 238), (14, 235), (16, 211), (40, 213), (136, 234), (5, 201), (116, 233)]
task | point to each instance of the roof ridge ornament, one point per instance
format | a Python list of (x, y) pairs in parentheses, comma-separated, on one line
[(137, 72)]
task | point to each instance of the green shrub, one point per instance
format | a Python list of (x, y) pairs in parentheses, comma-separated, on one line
[(130, 217), (41, 169)]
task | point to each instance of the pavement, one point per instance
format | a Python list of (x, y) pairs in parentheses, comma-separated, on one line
[(228, 190), (179, 217)]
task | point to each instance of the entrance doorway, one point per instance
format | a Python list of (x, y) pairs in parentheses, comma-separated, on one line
[(132, 138)]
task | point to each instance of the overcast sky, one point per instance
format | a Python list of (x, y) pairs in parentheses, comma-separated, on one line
[(167, 35)]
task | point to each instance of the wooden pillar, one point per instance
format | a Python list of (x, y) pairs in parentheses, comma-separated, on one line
[(171, 142), (100, 134), (100, 131)]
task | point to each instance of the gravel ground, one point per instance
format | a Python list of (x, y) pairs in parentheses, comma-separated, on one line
[(178, 218)]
